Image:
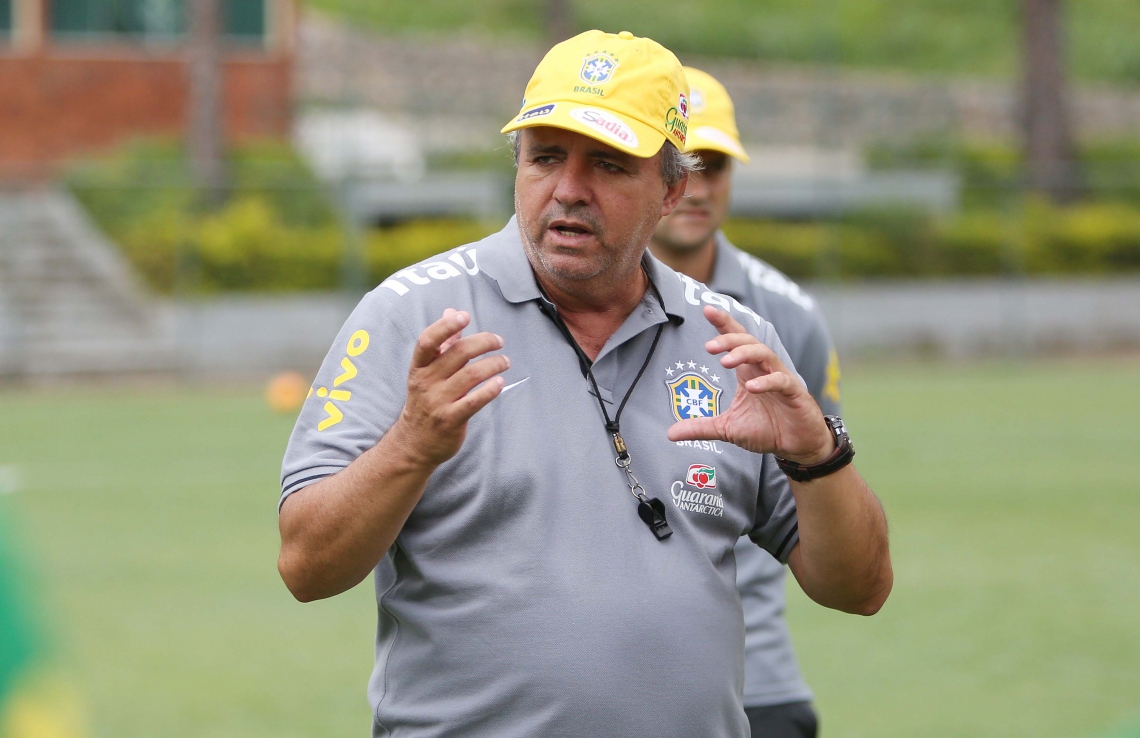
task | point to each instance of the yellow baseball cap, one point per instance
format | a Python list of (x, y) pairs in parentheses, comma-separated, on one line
[(713, 121), (625, 91)]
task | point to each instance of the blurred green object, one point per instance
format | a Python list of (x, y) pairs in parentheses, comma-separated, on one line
[(960, 37), (35, 700), (1010, 488), (19, 642)]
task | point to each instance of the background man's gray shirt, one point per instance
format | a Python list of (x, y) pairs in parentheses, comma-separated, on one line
[(771, 674), (524, 596)]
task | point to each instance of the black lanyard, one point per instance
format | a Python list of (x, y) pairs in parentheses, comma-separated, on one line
[(650, 509)]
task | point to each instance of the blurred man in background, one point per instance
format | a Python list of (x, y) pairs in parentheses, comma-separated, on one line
[(776, 698)]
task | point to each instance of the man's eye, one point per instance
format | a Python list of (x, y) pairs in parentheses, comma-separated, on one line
[(544, 160), (609, 166)]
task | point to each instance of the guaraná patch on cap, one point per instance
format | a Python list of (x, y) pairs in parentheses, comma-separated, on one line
[(606, 125), (677, 121)]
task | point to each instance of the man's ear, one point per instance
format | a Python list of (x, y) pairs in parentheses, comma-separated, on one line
[(673, 196)]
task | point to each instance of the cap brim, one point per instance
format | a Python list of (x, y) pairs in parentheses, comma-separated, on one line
[(708, 138), (595, 121)]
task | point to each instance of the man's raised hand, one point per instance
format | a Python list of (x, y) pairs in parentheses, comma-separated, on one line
[(772, 411), (444, 389)]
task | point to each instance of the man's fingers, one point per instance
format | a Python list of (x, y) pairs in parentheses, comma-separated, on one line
[(435, 335), (697, 429), (784, 384), (472, 375), (462, 351), (729, 341), (474, 401), (756, 354), (722, 321)]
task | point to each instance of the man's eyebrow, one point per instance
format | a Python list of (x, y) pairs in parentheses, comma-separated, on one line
[(619, 157), (537, 148)]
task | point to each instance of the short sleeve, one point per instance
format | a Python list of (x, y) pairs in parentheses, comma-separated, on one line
[(357, 395), (777, 529)]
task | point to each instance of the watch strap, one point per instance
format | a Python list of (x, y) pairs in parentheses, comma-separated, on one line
[(841, 457)]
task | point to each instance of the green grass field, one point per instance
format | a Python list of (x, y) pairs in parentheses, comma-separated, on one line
[(1013, 493), (942, 36)]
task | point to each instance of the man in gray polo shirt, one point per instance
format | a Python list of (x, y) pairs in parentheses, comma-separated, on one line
[(776, 697), (551, 528)]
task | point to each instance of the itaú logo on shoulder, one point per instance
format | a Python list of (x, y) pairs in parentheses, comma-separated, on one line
[(605, 124)]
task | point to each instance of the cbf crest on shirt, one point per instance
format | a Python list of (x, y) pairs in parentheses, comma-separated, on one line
[(694, 394)]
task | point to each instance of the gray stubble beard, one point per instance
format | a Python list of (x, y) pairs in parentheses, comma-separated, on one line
[(642, 233)]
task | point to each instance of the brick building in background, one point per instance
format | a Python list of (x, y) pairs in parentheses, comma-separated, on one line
[(77, 76)]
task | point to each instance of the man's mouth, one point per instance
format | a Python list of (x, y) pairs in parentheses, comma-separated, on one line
[(570, 229)]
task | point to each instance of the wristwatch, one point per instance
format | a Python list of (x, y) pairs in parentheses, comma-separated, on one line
[(842, 456)]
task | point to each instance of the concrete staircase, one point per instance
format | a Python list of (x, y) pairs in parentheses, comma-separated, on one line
[(69, 303)]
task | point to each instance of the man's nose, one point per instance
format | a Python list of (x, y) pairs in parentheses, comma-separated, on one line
[(573, 183)]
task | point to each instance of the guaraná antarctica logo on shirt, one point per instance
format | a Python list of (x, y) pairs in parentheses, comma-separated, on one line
[(701, 476), (699, 500), (357, 345), (694, 391)]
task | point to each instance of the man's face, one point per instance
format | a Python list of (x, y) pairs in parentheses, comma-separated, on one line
[(585, 208), (703, 208)]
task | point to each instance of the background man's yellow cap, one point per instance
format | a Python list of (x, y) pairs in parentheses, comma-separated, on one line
[(712, 122), (627, 92)]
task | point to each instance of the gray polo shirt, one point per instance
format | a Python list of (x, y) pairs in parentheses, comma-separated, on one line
[(771, 674), (524, 595)]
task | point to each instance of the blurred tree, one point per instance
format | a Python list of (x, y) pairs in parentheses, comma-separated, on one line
[(559, 20), (1050, 155), (205, 125)]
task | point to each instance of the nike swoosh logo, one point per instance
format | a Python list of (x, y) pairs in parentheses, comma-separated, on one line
[(512, 386)]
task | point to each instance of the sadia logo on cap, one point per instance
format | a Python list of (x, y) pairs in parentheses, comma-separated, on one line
[(683, 105), (598, 68), (605, 124)]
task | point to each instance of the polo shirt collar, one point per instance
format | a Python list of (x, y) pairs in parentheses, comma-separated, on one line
[(727, 277), (506, 263)]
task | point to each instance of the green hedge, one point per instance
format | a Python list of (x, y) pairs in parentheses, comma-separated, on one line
[(1038, 238), (247, 247), (276, 230)]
